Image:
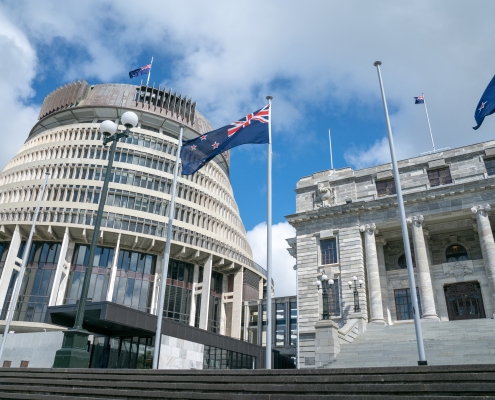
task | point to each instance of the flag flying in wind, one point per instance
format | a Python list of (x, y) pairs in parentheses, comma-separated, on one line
[(419, 100), (253, 128), (486, 105), (140, 71)]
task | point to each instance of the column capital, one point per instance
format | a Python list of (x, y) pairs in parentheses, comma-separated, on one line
[(368, 227), (380, 240), (416, 218), (480, 208)]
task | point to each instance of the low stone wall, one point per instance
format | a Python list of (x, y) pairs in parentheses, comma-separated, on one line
[(180, 354), (36, 347)]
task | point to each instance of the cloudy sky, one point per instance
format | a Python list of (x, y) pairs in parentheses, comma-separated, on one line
[(315, 57)]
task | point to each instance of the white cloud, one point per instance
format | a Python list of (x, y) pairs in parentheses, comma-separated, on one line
[(378, 153), (283, 274), (16, 74)]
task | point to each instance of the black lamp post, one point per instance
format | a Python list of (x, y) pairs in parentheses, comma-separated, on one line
[(356, 294), (325, 284), (73, 353)]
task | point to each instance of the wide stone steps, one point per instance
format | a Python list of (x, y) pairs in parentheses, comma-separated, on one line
[(430, 382), (446, 343)]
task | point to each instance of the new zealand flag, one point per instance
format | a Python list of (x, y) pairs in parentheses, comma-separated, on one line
[(253, 128), (140, 71), (486, 105)]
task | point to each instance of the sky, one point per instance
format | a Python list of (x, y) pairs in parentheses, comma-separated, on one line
[(314, 57)]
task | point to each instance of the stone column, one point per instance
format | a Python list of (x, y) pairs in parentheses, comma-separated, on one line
[(423, 269), (192, 314), (113, 272), (487, 246), (10, 264), (375, 293), (380, 242), (61, 268), (205, 293), (237, 308)]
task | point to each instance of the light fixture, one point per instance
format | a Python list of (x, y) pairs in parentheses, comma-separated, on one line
[(108, 128), (318, 283), (129, 119), (324, 277)]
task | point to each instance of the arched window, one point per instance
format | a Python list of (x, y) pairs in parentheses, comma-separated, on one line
[(456, 252), (402, 262)]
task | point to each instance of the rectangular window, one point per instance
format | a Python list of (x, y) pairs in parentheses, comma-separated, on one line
[(439, 176), (490, 166), (328, 249), (403, 304), (385, 188), (280, 324)]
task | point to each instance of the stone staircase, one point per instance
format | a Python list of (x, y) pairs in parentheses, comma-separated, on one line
[(405, 383), (446, 343)]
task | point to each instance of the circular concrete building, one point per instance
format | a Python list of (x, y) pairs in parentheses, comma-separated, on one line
[(211, 269)]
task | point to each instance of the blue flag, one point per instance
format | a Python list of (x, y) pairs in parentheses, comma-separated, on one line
[(140, 71), (253, 128), (486, 106), (419, 100)]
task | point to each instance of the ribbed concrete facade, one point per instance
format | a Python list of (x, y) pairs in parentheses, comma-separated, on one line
[(210, 253)]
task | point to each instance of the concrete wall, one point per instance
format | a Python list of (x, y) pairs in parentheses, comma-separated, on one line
[(180, 354), (36, 347)]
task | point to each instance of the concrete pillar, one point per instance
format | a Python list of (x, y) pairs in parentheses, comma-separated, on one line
[(156, 284), (192, 314), (205, 293), (374, 290), (245, 310), (61, 268), (423, 269), (113, 272), (223, 321), (327, 343), (261, 287), (64, 278), (10, 266), (237, 305), (380, 242), (487, 246)]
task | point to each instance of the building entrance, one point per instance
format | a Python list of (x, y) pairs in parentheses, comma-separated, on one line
[(464, 301)]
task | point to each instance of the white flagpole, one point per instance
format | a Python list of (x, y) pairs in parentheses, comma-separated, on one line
[(20, 277), (166, 257), (149, 72), (428, 119), (331, 155), (403, 224), (269, 246)]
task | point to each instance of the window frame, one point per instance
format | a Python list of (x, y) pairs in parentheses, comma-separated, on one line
[(438, 170), (377, 182)]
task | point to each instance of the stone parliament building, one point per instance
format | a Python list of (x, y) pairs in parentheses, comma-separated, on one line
[(347, 225)]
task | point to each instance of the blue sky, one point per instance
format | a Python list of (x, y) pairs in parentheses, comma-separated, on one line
[(316, 59)]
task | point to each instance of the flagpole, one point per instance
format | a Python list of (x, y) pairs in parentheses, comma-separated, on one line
[(428, 119), (166, 257), (269, 246), (20, 277), (149, 72), (331, 156), (403, 223)]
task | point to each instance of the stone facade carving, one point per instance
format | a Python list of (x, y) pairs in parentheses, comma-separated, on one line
[(324, 195), (458, 269)]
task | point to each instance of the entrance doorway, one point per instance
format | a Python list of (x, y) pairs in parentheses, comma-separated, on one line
[(464, 301)]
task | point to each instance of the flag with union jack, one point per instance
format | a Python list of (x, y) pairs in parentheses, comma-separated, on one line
[(419, 100), (253, 128)]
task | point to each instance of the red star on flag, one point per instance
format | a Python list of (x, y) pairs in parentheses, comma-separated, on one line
[(193, 147), (203, 137), (215, 145), (482, 106)]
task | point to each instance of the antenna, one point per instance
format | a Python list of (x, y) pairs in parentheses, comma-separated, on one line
[(331, 156)]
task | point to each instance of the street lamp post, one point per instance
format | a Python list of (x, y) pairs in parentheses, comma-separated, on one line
[(73, 353), (357, 308), (325, 284)]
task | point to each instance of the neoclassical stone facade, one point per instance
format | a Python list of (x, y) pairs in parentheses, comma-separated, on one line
[(211, 260), (347, 224)]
